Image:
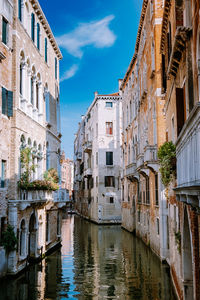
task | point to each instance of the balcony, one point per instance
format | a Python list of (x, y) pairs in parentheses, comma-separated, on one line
[(88, 172), (140, 161), (61, 197), (32, 197), (130, 169), (87, 146), (188, 154)]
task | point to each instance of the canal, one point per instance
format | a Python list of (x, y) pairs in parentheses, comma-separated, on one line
[(95, 262)]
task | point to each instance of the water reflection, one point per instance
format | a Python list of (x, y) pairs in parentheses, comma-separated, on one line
[(95, 262)]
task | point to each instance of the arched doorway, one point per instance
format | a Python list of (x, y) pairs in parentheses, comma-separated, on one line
[(187, 260), (32, 245)]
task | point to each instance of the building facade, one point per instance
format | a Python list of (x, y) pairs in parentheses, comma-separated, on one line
[(67, 174), (6, 94), (180, 49), (144, 208), (30, 104), (99, 166)]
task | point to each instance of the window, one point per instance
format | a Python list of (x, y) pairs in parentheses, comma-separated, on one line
[(33, 27), (20, 10), (138, 216), (47, 106), (156, 189), (147, 191), (96, 181), (37, 95), (46, 58), (109, 128), (3, 173), (111, 199), (56, 66), (47, 228), (109, 158), (4, 31), (158, 226), (7, 102), (180, 109), (109, 181), (32, 90), (20, 79), (22, 246), (109, 104), (164, 78), (97, 158), (38, 36)]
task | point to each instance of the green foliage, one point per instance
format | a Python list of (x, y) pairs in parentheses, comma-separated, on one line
[(9, 240), (167, 158), (26, 159), (51, 175), (178, 240)]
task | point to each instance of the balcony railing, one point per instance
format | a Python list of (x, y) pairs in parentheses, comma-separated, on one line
[(150, 153), (36, 195), (188, 151), (87, 146), (130, 169)]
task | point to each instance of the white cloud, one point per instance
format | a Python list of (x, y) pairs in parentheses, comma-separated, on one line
[(95, 33), (70, 73)]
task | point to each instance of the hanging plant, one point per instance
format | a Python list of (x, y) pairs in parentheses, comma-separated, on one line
[(167, 159), (9, 240)]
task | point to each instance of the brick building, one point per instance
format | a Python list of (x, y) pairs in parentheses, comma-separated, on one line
[(30, 118)]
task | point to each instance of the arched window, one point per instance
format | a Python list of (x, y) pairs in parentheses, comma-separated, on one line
[(32, 86), (23, 142), (22, 246), (29, 143), (39, 161), (130, 114), (129, 154), (21, 73)]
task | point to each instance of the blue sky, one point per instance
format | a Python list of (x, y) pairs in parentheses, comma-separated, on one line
[(97, 40)]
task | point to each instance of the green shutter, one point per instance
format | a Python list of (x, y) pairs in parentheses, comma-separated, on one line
[(46, 50), (38, 36), (4, 101), (4, 31), (20, 10), (33, 27), (10, 104)]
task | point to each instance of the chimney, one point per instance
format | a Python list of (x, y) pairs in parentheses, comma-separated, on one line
[(95, 94)]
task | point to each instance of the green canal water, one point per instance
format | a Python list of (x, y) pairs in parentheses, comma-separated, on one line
[(95, 262)]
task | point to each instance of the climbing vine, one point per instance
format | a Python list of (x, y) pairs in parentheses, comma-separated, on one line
[(167, 159)]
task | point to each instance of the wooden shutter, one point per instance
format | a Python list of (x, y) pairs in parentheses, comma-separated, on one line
[(46, 50), (4, 101), (10, 104), (4, 31)]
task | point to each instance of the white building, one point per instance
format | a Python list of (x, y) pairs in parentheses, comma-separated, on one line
[(100, 200)]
